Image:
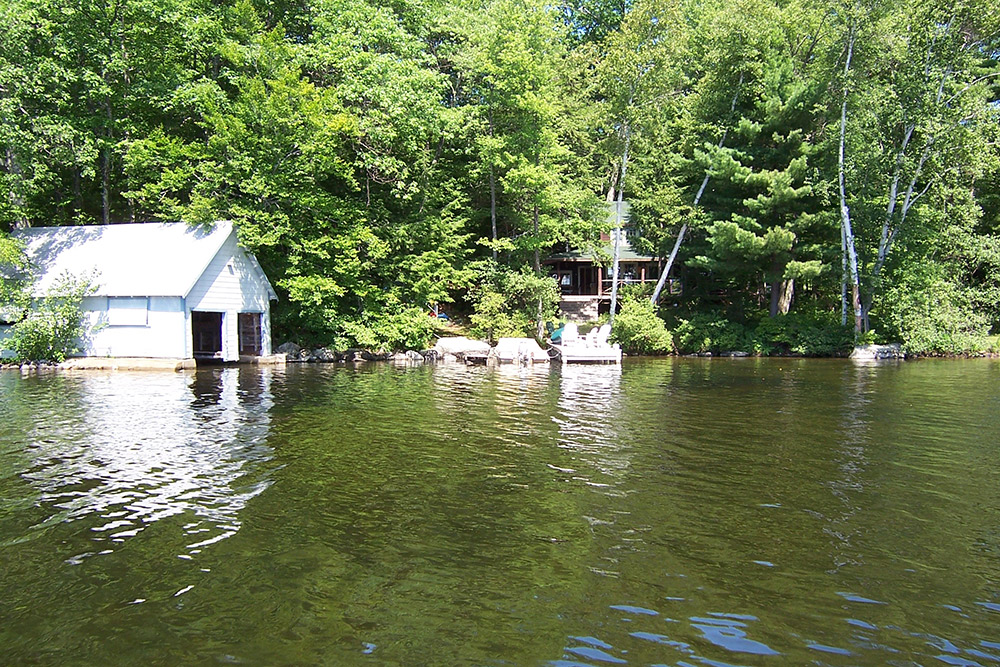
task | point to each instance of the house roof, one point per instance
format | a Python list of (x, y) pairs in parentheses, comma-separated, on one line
[(625, 254), (619, 213), (150, 259)]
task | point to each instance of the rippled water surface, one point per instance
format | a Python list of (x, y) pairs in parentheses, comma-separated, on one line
[(680, 512)]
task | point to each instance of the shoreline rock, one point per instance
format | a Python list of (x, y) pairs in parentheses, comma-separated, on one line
[(878, 352)]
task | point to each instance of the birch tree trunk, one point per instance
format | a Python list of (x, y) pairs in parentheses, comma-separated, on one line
[(539, 325), (618, 230), (843, 277), (845, 212), (697, 198)]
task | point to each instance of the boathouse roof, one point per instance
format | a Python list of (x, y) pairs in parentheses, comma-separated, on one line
[(145, 259)]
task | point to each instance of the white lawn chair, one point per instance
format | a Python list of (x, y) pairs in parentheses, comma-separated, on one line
[(570, 335), (599, 337)]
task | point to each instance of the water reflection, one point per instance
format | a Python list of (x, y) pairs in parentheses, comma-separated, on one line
[(685, 512), (589, 415), (147, 447)]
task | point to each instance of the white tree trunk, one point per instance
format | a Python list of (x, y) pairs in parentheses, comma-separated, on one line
[(618, 231), (697, 198), (845, 213)]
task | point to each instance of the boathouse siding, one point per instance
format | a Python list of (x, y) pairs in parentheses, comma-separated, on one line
[(233, 283)]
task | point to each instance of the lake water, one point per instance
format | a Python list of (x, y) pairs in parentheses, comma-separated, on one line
[(689, 512)]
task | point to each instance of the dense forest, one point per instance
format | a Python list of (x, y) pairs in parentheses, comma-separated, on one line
[(810, 170)]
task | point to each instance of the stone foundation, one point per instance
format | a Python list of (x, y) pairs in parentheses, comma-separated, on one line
[(579, 308)]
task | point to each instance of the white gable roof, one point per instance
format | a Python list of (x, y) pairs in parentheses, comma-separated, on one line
[(151, 259)]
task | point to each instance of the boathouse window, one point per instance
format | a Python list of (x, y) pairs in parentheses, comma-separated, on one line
[(250, 334), (127, 311)]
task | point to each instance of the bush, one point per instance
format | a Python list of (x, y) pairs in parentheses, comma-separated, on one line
[(639, 330), (54, 325), (935, 316), (707, 332), (410, 328), (805, 333)]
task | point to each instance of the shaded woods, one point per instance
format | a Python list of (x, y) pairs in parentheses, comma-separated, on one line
[(801, 164)]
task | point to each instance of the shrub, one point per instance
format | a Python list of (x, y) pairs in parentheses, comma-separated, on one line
[(708, 332), (935, 316), (409, 328), (54, 325), (639, 330), (806, 333)]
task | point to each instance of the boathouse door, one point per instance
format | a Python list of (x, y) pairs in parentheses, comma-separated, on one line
[(206, 334), (250, 334)]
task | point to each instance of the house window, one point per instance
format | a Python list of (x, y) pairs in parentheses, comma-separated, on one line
[(127, 311), (250, 334)]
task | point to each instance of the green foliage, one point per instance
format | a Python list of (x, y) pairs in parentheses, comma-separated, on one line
[(707, 332), (506, 302), (409, 329), (805, 333), (920, 131), (932, 315), (639, 330), (808, 334), (54, 324)]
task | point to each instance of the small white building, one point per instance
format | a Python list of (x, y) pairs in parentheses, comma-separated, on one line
[(164, 290)]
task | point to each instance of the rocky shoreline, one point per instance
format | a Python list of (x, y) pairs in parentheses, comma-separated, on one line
[(30, 366), (459, 349)]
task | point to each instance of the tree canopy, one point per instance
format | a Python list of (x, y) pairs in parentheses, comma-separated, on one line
[(836, 158)]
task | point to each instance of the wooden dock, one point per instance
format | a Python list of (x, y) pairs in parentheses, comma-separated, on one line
[(605, 354)]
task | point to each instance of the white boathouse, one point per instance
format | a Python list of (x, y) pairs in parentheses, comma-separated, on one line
[(164, 290)]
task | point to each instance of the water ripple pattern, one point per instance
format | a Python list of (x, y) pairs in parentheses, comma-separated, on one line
[(683, 512)]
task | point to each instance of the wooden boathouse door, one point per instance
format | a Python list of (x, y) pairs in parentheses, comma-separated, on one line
[(250, 334)]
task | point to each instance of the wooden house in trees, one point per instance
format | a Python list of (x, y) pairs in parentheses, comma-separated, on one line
[(585, 278), (163, 290)]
